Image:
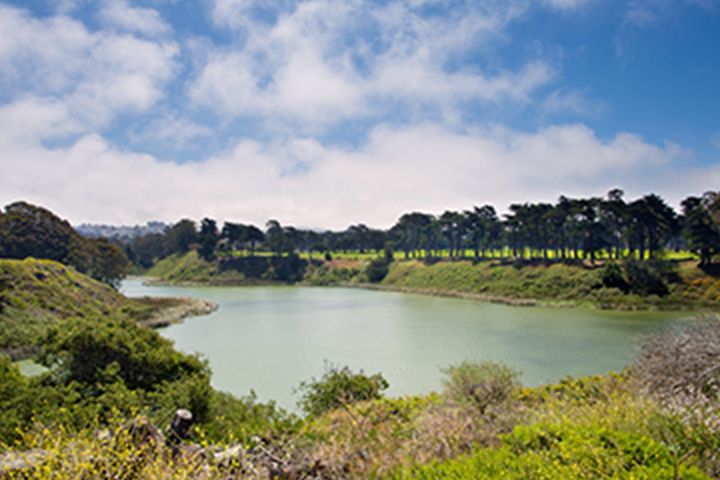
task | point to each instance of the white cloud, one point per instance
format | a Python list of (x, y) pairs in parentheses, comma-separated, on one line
[(566, 4), (90, 76), (565, 100), (643, 13), (118, 14), (324, 60), (179, 131), (307, 184)]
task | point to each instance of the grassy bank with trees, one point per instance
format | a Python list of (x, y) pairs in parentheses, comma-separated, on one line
[(630, 284)]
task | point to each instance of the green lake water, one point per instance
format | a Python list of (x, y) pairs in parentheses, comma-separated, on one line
[(270, 338)]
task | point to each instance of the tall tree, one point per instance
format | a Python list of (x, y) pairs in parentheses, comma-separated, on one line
[(208, 239), (253, 236), (701, 231), (614, 213), (180, 236)]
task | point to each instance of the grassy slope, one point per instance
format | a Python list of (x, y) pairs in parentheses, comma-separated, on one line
[(553, 284), (189, 268), (42, 293)]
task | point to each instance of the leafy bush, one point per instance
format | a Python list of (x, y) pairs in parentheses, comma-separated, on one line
[(645, 278), (566, 452), (377, 270), (338, 387), (82, 349), (612, 277), (480, 385)]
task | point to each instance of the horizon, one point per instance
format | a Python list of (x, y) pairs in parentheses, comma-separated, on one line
[(326, 114)]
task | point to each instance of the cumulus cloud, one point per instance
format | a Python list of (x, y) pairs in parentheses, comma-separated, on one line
[(118, 14), (565, 100), (318, 61), (566, 4), (308, 184), (87, 77)]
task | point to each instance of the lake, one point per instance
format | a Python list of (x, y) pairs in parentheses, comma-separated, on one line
[(269, 339)]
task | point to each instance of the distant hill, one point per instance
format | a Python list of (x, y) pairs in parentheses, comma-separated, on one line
[(121, 232)]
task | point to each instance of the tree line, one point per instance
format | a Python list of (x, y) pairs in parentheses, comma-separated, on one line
[(571, 229)]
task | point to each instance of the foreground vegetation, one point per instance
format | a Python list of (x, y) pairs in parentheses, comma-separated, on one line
[(655, 420)]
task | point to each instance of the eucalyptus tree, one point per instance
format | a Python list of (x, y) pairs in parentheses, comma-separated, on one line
[(253, 236), (358, 236), (430, 237), (407, 231), (482, 226), (557, 220), (208, 238), (701, 230), (652, 221), (453, 227), (476, 229), (492, 226), (293, 239), (594, 232), (233, 233), (539, 228), (180, 236), (275, 237), (614, 213)]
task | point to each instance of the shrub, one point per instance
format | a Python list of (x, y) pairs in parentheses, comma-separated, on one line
[(683, 361), (338, 387), (566, 452), (377, 270), (612, 277), (645, 279), (480, 385)]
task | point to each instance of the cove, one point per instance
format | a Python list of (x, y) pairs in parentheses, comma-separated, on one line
[(269, 339)]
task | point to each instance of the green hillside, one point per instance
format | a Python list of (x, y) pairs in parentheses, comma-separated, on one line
[(630, 285), (38, 294)]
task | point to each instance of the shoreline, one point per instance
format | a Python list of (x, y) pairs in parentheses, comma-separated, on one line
[(517, 302), (434, 292), (184, 307)]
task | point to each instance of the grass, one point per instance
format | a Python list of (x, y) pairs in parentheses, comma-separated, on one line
[(554, 283), (40, 294)]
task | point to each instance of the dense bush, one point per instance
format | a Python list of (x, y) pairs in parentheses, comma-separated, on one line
[(480, 384), (377, 269), (566, 452), (645, 278), (338, 387), (86, 349), (612, 277)]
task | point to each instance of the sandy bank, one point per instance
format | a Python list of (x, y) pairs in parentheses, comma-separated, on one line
[(180, 309)]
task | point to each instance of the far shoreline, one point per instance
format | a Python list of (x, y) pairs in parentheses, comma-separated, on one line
[(431, 292)]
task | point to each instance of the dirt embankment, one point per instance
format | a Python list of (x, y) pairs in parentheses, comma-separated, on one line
[(179, 308)]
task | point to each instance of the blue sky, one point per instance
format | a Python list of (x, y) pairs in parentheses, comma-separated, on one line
[(326, 113)]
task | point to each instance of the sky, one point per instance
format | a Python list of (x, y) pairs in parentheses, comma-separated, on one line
[(327, 113)]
